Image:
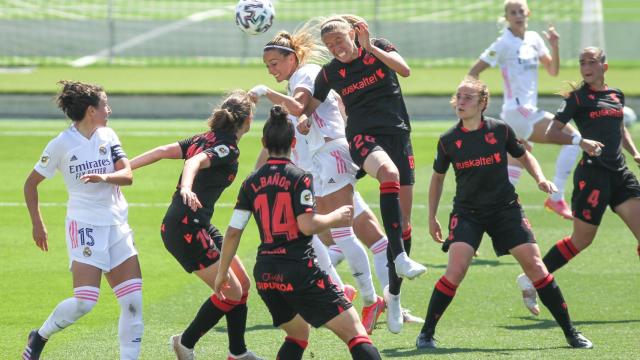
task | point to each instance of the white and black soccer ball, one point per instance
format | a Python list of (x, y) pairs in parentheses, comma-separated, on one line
[(254, 16), (629, 116)]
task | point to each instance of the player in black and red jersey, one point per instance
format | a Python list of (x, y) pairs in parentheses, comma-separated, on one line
[(485, 201), (289, 281), (602, 177), (364, 74), (210, 167)]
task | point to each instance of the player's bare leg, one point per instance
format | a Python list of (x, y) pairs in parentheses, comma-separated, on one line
[(379, 165), (349, 329), (460, 256), (528, 255), (628, 212)]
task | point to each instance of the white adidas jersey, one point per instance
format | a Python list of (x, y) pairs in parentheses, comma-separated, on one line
[(74, 155), (519, 60), (326, 119)]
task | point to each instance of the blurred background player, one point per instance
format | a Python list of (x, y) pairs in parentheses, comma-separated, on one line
[(90, 157), (378, 134), (485, 202), (601, 177), (296, 292), (287, 57), (211, 165), (518, 52)]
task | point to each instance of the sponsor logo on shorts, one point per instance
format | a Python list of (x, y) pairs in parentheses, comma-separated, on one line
[(412, 162), (73, 158), (271, 281)]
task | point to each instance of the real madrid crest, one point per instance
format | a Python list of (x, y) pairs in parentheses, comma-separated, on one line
[(87, 251), (102, 149)]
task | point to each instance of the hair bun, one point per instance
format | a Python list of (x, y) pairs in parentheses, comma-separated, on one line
[(279, 113)]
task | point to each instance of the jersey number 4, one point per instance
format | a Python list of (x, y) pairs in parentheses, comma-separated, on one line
[(277, 221)]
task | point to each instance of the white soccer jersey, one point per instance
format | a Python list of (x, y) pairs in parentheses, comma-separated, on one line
[(326, 119), (518, 60), (74, 155)]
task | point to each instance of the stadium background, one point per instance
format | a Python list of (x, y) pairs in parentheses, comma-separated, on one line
[(172, 60)]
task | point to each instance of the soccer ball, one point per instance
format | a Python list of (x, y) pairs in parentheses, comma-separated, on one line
[(254, 16), (629, 116)]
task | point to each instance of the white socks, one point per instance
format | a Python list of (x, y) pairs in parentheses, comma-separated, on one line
[(130, 326), (358, 261), (564, 165), (514, 174), (70, 310), (324, 262), (379, 250)]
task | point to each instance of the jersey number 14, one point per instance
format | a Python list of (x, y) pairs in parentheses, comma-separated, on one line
[(277, 221)]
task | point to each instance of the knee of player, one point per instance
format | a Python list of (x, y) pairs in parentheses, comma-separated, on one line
[(388, 172), (455, 273), (537, 270)]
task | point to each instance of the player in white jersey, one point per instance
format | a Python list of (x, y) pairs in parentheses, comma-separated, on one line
[(99, 240), (519, 52), (286, 57)]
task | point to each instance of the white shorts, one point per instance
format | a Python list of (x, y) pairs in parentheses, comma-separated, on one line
[(522, 119), (333, 168), (359, 205), (104, 247)]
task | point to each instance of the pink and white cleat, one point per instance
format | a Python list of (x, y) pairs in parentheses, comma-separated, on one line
[(559, 207)]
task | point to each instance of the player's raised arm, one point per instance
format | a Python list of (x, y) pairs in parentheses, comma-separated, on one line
[(168, 151)]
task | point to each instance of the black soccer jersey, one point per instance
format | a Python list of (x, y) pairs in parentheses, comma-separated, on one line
[(223, 153), (370, 91), (598, 116), (479, 159), (276, 194)]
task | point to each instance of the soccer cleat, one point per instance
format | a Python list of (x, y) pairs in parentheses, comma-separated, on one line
[(350, 292), (425, 341), (559, 207), (35, 344), (578, 341), (371, 313), (248, 355), (394, 312), (182, 352), (408, 318), (529, 295), (407, 268)]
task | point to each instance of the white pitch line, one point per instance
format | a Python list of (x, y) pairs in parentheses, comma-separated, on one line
[(60, 13), (446, 13), (151, 34), (223, 205)]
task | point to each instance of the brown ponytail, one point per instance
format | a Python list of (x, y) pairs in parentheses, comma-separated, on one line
[(232, 113)]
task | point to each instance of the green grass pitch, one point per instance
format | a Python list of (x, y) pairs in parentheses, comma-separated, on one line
[(486, 319)]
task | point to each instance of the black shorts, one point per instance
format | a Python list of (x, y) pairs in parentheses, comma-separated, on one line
[(290, 288), (193, 245), (397, 146), (508, 227), (595, 187)]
